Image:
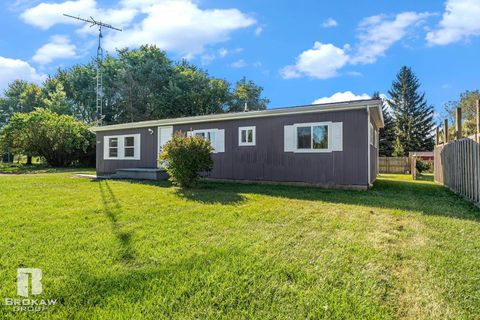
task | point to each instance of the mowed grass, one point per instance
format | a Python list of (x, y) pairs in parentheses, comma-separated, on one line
[(130, 250)]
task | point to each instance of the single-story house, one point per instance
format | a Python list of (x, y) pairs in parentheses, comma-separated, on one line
[(333, 144), (424, 155)]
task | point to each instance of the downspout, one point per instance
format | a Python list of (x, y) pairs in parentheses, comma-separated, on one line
[(368, 146)]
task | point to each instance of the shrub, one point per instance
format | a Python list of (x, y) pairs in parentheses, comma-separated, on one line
[(185, 158), (423, 165), (59, 139)]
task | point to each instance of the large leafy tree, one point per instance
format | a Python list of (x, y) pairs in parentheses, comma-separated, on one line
[(247, 92), (20, 96), (467, 102), (59, 139), (413, 115), (387, 133)]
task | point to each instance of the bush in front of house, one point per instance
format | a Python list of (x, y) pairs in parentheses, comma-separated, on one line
[(185, 158), (423, 166), (59, 139)]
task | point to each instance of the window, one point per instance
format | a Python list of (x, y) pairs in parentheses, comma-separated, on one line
[(246, 136), (129, 147), (215, 136), (209, 135), (312, 137), (113, 147), (122, 147)]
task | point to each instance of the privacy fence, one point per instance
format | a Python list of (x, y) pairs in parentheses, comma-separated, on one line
[(394, 165), (457, 166)]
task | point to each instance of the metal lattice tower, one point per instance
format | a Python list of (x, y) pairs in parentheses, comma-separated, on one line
[(98, 115)]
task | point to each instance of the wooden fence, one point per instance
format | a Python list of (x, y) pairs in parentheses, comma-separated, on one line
[(457, 166), (394, 165)]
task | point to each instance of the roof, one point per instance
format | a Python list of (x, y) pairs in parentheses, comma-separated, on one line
[(374, 105), (421, 153)]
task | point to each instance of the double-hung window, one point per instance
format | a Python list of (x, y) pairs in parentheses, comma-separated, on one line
[(122, 147), (113, 147), (246, 136), (313, 137), (215, 136), (209, 135)]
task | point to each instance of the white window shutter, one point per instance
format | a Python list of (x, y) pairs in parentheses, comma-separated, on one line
[(189, 133), (137, 146), (288, 138), (105, 148), (220, 140), (337, 136)]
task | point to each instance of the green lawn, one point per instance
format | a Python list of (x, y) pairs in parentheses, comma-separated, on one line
[(126, 250)]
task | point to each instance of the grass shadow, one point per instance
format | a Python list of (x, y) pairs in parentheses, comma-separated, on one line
[(112, 208), (417, 196), (209, 194)]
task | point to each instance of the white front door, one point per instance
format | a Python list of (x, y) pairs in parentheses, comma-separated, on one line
[(164, 135)]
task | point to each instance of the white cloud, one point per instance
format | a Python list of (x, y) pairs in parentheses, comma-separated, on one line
[(239, 64), (258, 31), (59, 47), (341, 96), (378, 33), (181, 26), (322, 62), (459, 22), (222, 52), (329, 23), (13, 69), (177, 25), (46, 15)]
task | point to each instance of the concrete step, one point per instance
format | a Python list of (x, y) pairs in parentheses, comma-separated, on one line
[(141, 174)]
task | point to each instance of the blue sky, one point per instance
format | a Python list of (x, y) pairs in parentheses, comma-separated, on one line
[(299, 51)]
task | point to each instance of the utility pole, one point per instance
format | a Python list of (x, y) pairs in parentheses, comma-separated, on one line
[(98, 114)]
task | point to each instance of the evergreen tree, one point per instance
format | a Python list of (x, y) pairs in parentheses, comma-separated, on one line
[(413, 116), (387, 133)]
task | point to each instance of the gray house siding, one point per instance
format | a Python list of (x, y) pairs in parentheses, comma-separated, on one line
[(267, 161), (148, 147)]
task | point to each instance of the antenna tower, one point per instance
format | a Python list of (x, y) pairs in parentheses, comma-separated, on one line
[(98, 115)]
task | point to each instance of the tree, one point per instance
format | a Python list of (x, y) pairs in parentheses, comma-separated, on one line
[(467, 102), (20, 96), (59, 139), (387, 133), (79, 85), (413, 116), (249, 92), (56, 98), (185, 158)]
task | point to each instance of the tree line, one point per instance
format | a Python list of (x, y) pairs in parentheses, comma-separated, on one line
[(51, 120), (139, 84)]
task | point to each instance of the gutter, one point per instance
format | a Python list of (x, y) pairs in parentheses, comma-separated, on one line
[(339, 106)]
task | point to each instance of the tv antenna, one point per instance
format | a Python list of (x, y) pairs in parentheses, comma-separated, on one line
[(98, 114)]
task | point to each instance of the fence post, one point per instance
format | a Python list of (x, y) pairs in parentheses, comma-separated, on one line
[(445, 128), (458, 123), (437, 136), (414, 167)]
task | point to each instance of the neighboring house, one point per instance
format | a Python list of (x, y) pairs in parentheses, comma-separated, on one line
[(333, 144), (424, 155)]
